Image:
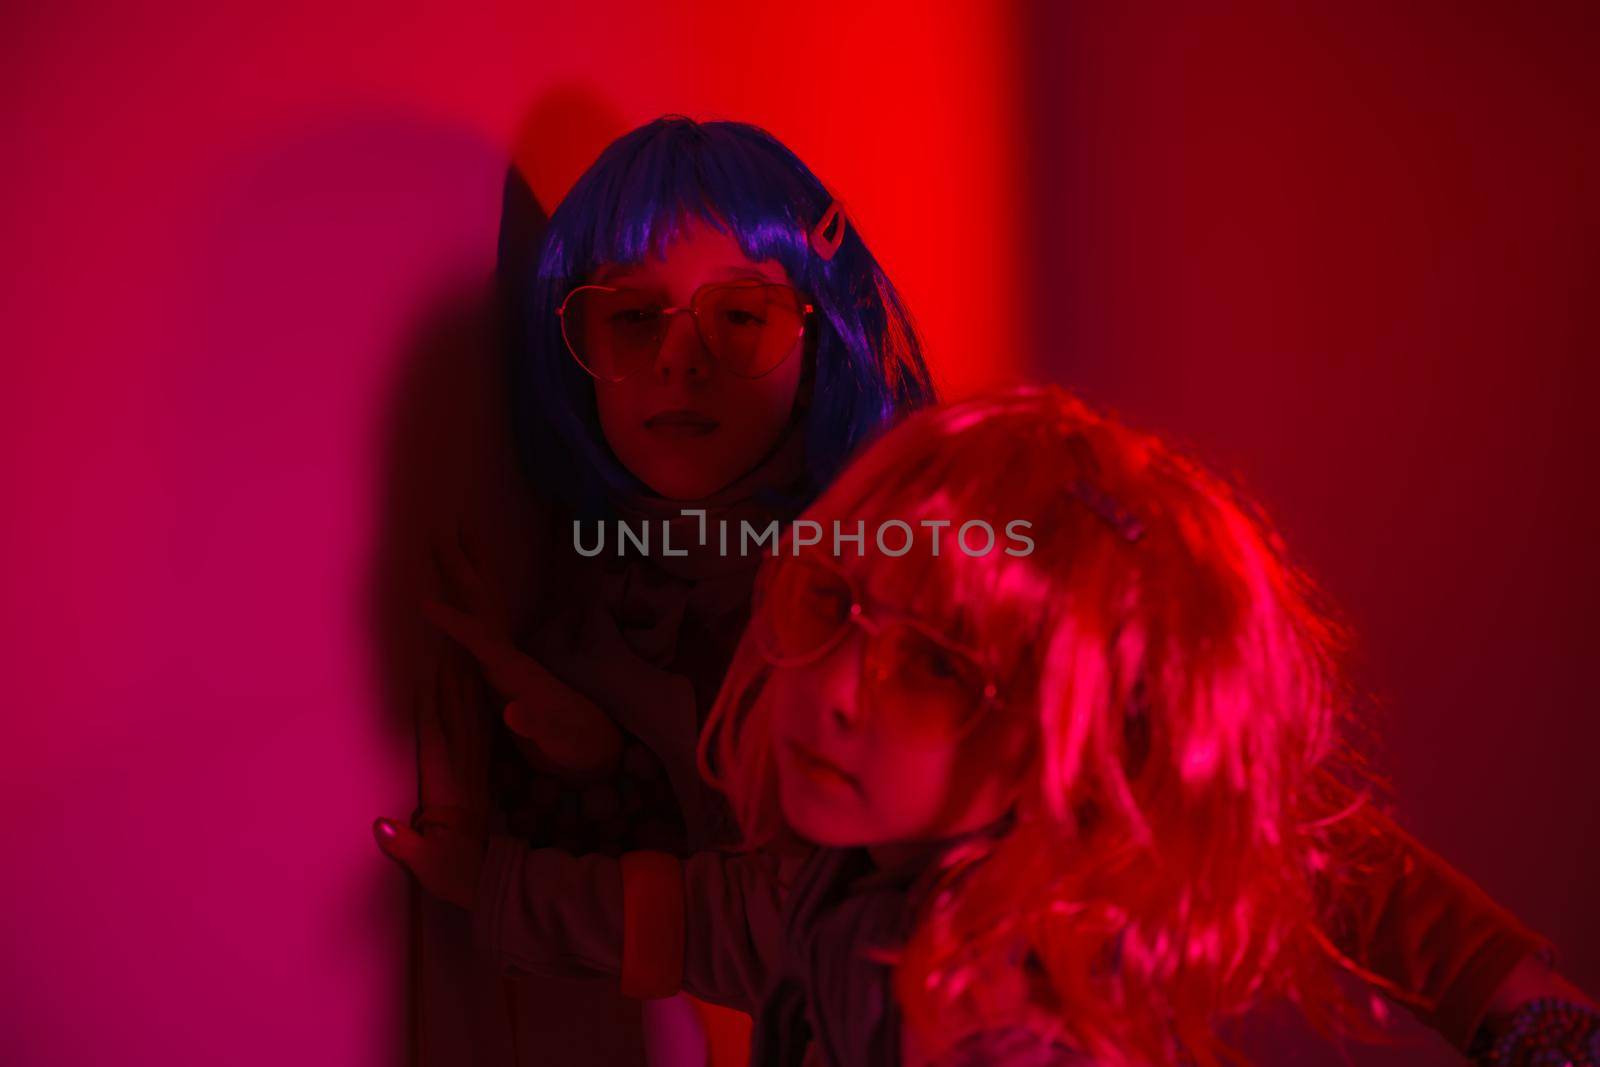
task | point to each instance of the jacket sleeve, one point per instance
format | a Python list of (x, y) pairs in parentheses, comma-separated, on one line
[(1436, 939), (710, 924), (1011, 1047)]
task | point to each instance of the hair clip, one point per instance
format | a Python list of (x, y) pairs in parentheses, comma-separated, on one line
[(821, 243), (1112, 513)]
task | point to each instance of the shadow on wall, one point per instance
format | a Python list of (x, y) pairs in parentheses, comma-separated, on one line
[(451, 461), (343, 281)]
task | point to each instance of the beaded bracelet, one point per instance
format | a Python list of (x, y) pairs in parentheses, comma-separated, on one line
[(1544, 1032)]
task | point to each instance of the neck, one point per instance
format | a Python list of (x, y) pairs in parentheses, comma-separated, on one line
[(894, 855), (900, 854)]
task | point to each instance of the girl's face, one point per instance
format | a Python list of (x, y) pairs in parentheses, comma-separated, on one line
[(848, 778), (685, 426)]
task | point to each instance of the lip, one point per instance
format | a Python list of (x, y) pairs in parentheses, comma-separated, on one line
[(681, 422), (820, 770)]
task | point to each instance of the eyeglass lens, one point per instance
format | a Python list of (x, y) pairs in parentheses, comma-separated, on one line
[(925, 689), (748, 328)]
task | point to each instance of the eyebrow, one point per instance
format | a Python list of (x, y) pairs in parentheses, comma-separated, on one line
[(750, 272), (610, 270)]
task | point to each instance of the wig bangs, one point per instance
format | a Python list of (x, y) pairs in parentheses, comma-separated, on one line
[(644, 189), (987, 561)]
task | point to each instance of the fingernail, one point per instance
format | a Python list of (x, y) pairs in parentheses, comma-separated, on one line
[(512, 717), (384, 829)]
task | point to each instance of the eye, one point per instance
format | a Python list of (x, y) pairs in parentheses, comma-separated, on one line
[(935, 662), (741, 317), (930, 665), (635, 316), (827, 597)]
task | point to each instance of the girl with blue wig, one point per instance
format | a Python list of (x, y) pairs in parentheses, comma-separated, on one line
[(704, 341)]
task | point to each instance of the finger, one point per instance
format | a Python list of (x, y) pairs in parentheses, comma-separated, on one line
[(495, 656), (470, 564), (507, 668), (459, 569), (465, 629), (521, 719), (399, 842)]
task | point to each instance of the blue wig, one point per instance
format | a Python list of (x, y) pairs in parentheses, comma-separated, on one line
[(868, 367)]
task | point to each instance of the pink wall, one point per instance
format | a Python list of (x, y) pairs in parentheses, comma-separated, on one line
[(238, 237)]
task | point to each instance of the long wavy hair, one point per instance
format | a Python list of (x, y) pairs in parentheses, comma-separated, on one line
[(865, 364), (1191, 805)]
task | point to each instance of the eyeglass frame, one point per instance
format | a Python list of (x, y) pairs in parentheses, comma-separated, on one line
[(989, 700), (805, 310)]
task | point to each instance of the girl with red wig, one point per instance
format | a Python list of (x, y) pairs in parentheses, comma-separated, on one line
[(1054, 768)]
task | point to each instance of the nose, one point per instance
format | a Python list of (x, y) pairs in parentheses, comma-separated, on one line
[(838, 690), (682, 353)]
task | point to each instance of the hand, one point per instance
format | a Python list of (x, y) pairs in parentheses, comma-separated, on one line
[(445, 861), (565, 727), (445, 849), (483, 625)]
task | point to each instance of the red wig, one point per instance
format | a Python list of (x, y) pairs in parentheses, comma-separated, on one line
[(1184, 817)]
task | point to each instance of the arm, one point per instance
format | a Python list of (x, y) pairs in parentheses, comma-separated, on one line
[(1012, 1046), (710, 924), (557, 728), (1531, 979), (1431, 936)]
